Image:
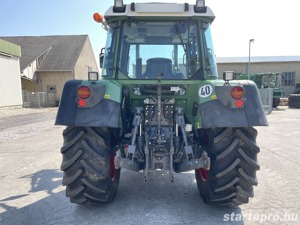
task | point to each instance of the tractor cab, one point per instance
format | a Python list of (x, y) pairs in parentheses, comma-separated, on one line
[(141, 46)]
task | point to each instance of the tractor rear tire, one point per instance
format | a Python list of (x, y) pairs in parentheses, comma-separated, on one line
[(230, 180), (88, 165)]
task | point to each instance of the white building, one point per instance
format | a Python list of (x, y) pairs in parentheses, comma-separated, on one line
[(288, 66), (10, 79)]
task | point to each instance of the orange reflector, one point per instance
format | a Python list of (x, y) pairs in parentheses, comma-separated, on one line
[(81, 102), (239, 103), (98, 17), (237, 92), (83, 92)]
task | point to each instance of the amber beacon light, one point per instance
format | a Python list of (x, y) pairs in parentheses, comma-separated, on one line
[(98, 17)]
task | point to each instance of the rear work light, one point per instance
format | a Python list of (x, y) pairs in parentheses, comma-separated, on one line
[(228, 75), (237, 92), (119, 6), (200, 3), (93, 76), (200, 6), (83, 92)]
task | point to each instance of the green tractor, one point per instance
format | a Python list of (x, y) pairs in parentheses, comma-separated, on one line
[(159, 107), (266, 80)]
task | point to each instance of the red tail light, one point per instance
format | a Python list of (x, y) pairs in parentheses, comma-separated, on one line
[(81, 103), (239, 103), (83, 92), (237, 92)]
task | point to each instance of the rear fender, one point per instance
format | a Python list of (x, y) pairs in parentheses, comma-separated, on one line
[(220, 109), (102, 108)]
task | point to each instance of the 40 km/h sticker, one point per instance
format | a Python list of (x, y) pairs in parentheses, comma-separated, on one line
[(205, 91)]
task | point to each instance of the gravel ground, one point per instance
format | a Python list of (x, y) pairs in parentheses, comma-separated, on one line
[(8, 112), (18, 123)]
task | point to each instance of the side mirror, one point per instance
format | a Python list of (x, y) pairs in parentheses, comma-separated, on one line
[(101, 57)]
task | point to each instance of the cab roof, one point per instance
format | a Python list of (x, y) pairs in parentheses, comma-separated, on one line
[(154, 9)]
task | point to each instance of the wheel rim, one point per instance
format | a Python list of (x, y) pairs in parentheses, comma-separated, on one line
[(113, 171), (203, 174)]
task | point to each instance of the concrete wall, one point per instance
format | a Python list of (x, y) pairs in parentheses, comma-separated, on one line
[(57, 79), (29, 85), (262, 68), (86, 61), (10, 81)]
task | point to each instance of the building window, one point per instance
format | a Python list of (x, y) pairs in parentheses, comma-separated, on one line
[(289, 78)]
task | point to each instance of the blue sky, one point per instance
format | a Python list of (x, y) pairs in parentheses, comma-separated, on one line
[(274, 24)]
